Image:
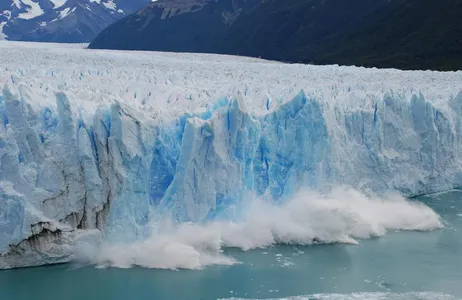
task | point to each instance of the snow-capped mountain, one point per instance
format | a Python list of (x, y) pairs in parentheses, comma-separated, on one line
[(61, 20)]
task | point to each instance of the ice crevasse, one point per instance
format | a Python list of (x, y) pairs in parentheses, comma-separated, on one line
[(71, 172)]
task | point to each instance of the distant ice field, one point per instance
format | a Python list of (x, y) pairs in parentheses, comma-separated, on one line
[(179, 82)]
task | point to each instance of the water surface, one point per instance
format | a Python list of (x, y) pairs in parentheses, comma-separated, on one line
[(400, 265)]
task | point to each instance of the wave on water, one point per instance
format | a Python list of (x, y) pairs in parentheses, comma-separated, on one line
[(368, 296), (343, 215)]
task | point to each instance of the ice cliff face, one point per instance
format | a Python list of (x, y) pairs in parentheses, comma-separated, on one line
[(107, 141)]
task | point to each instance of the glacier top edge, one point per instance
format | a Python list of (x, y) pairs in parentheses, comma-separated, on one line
[(175, 83)]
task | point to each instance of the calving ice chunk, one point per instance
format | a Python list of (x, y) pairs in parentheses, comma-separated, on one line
[(103, 146)]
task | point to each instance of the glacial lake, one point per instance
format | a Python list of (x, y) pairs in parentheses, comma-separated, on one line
[(399, 265)]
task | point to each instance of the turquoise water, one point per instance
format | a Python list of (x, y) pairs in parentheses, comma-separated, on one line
[(400, 265)]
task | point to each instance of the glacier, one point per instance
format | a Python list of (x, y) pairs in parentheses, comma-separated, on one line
[(96, 146)]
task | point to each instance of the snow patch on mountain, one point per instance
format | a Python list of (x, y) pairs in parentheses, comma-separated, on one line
[(110, 5), (65, 12), (33, 10), (58, 3), (6, 13), (17, 3), (2, 35)]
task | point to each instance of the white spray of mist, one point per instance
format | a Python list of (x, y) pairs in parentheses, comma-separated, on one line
[(343, 215)]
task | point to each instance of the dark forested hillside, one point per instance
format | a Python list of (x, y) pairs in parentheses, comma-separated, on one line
[(292, 30), (407, 34), (175, 25)]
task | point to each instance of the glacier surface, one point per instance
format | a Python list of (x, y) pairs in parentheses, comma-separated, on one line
[(98, 145)]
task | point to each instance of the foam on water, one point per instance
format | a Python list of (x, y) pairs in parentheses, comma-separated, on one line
[(343, 215), (370, 296)]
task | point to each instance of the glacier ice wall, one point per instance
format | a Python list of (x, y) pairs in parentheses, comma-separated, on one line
[(75, 171), (62, 177)]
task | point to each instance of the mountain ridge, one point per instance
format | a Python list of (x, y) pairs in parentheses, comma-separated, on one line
[(61, 20), (379, 33)]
